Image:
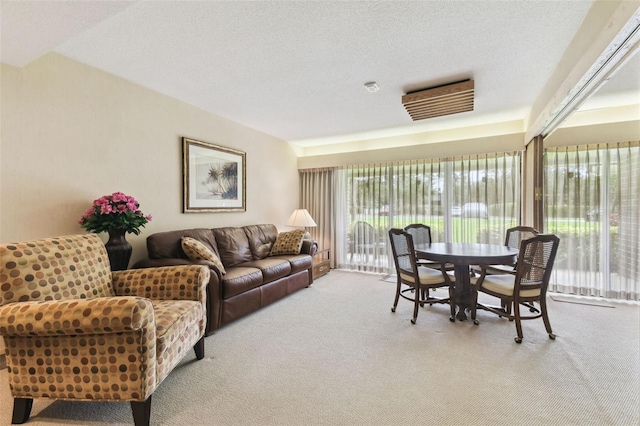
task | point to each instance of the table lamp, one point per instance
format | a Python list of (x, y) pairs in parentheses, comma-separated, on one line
[(301, 219)]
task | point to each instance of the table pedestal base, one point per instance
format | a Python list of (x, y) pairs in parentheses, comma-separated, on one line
[(464, 298)]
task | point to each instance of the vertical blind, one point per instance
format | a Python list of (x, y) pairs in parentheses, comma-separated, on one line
[(592, 202)]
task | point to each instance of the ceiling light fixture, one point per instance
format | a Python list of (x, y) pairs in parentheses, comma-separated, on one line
[(441, 100), (372, 86)]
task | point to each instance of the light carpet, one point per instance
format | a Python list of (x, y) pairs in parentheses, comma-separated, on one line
[(594, 301), (334, 354)]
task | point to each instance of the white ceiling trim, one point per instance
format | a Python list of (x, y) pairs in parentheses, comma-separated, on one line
[(619, 50)]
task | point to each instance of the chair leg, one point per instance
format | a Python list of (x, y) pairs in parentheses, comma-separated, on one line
[(507, 306), (21, 410), (452, 304), (141, 412), (545, 318), (474, 305), (416, 303), (199, 348), (516, 311), (395, 302)]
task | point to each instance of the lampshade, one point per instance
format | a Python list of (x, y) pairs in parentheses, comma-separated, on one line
[(301, 218)]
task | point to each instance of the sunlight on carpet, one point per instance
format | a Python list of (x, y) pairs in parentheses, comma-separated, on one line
[(581, 300)]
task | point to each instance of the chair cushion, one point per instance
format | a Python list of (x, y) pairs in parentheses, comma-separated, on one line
[(503, 284), (177, 321), (427, 276), (195, 250), (288, 242)]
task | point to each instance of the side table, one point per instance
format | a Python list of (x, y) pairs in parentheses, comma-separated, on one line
[(321, 263)]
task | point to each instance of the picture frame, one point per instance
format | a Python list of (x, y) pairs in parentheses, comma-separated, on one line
[(214, 178)]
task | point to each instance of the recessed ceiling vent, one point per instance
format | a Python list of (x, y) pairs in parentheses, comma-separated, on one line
[(439, 101)]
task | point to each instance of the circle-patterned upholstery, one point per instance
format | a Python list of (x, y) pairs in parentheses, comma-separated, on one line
[(75, 330), (71, 267)]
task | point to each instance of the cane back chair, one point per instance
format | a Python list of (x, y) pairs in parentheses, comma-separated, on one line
[(417, 279), (529, 284)]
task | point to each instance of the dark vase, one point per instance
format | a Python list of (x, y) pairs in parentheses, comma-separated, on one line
[(118, 249)]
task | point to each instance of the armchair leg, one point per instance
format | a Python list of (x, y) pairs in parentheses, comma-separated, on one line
[(141, 412), (199, 348), (21, 410)]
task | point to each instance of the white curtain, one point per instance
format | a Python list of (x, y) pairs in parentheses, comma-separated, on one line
[(487, 189), (592, 202), (464, 199)]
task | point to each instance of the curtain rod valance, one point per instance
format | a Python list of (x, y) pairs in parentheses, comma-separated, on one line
[(320, 169), (417, 161), (608, 145)]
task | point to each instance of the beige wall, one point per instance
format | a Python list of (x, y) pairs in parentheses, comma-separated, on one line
[(71, 133)]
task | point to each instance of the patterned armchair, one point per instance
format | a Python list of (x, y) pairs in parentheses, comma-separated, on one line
[(74, 330)]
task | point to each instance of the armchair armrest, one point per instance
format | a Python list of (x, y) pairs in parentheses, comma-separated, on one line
[(103, 315), (178, 282), (174, 261)]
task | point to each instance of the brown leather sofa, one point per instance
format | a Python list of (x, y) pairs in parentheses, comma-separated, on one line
[(253, 279)]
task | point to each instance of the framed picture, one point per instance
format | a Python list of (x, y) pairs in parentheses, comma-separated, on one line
[(213, 178)]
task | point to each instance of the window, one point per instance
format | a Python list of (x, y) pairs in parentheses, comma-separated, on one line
[(592, 202), (465, 199)]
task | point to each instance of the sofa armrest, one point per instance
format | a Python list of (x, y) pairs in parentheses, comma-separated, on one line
[(309, 247), (179, 282), (102, 315)]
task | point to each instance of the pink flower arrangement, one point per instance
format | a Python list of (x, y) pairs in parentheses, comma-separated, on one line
[(115, 211)]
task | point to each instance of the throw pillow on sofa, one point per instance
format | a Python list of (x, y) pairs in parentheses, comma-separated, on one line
[(195, 250), (288, 242)]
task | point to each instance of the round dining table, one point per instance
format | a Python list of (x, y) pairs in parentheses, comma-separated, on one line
[(462, 256)]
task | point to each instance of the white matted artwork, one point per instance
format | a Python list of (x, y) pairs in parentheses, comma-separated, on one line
[(213, 178)]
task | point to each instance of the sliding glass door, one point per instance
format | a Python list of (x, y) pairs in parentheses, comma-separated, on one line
[(592, 202), (463, 199)]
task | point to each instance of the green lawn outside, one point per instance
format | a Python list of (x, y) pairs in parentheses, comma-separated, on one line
[(584, 236)]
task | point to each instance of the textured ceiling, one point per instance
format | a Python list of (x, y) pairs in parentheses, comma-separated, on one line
[(296, 70)]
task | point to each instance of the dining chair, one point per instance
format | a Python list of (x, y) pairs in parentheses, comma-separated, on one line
[(417, 279), (529, 284), (421, 234), (513, 238)]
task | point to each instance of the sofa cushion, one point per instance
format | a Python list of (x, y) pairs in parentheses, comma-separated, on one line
[(261, 239), (168, 245), (233, 246), (288, 242), (195, 250), (240, 279), (272, 268), (298, 262)]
